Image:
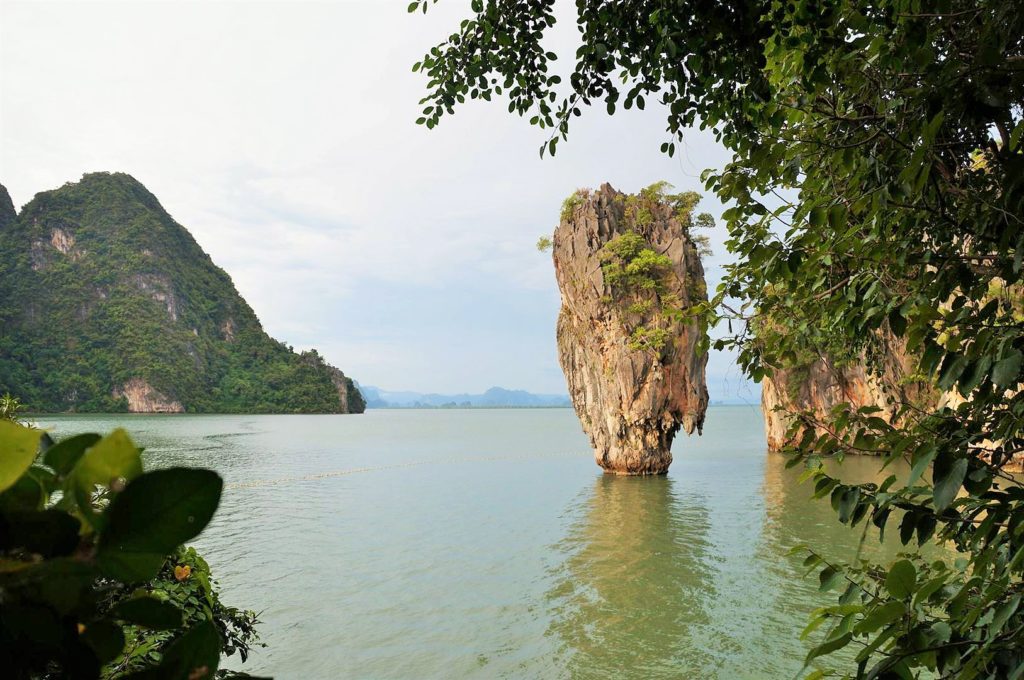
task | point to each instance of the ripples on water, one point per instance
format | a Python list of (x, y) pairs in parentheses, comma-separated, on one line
[(486, 543)]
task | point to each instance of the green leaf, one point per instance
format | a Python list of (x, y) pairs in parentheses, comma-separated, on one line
[(879, 640), (837, 216), (901, 579), (829, 578), (817, 216), (881, 616), (948, 475), (193, 656), (952, 367), (26, 494), (156, 513), (828, 647), (18, 448), (921, 462), (63, 455), (847, 502), (61, 583), (1002, 614), (907, 527), (970, 380), (105, 638), (148, 612), (50, 533), (928, 589), (814, 624), (926, 524), (1006, 372), (112, 460)]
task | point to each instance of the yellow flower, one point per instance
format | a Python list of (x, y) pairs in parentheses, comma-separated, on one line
[(81, 628), (181, 572)]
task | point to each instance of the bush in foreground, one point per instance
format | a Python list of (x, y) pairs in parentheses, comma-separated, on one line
[(94, 581)]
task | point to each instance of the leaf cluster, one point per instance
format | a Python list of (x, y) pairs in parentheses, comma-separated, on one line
[(85, 537)]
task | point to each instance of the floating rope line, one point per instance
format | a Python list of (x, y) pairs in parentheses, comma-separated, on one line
[(395, 466)]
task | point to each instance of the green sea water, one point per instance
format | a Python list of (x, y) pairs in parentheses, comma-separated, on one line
[(487, 544)]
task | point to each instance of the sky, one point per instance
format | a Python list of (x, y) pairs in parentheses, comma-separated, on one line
[(282, 136)]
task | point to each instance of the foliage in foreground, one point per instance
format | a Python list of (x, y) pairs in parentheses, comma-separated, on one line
[(87, 587), (876, 190)]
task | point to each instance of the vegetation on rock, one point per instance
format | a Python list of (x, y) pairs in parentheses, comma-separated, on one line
[(104, 298), (877, 182), (631, 334), (636, 273)]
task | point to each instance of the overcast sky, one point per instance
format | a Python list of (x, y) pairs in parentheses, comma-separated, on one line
[(282, 136)]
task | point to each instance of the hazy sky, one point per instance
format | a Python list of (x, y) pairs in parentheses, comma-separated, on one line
[(282, 136)]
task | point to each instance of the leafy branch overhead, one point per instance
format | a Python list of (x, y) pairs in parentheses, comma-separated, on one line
[(875, 196)]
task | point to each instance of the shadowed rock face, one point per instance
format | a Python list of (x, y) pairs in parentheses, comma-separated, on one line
[(631, 400), (821, 385)]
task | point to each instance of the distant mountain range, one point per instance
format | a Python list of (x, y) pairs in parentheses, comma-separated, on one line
[(496, 397)]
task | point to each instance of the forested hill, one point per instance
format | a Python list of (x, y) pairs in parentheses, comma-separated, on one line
[(108, 304)]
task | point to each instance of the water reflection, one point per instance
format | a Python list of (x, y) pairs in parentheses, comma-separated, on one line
[(795, 518), (630, 595)]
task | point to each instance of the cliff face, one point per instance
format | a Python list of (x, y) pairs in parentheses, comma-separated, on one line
[(817, 387), (348, 394), (633, 370), (108, 304), (820, 385), (142, 398)]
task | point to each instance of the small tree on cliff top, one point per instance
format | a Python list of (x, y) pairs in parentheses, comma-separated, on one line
[(896, 127)]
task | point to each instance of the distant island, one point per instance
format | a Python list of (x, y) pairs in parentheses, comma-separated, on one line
[(495, 397), (109, 305)]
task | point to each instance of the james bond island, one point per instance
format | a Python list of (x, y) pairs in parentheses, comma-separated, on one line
[(631, 349)]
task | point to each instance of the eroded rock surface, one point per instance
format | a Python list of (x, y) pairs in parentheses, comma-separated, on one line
[(631, 396), (822, 384), (819, 385), (143, 398), (351, 398)]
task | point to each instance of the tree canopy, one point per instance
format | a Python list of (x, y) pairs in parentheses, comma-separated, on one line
[(875, 191)]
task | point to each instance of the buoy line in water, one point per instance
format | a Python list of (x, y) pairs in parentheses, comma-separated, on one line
[(381, 468)]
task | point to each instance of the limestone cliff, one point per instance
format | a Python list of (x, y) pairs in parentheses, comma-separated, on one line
[(628, 350), (142, 398), (109, 304), (822, 383), (351, 398)]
